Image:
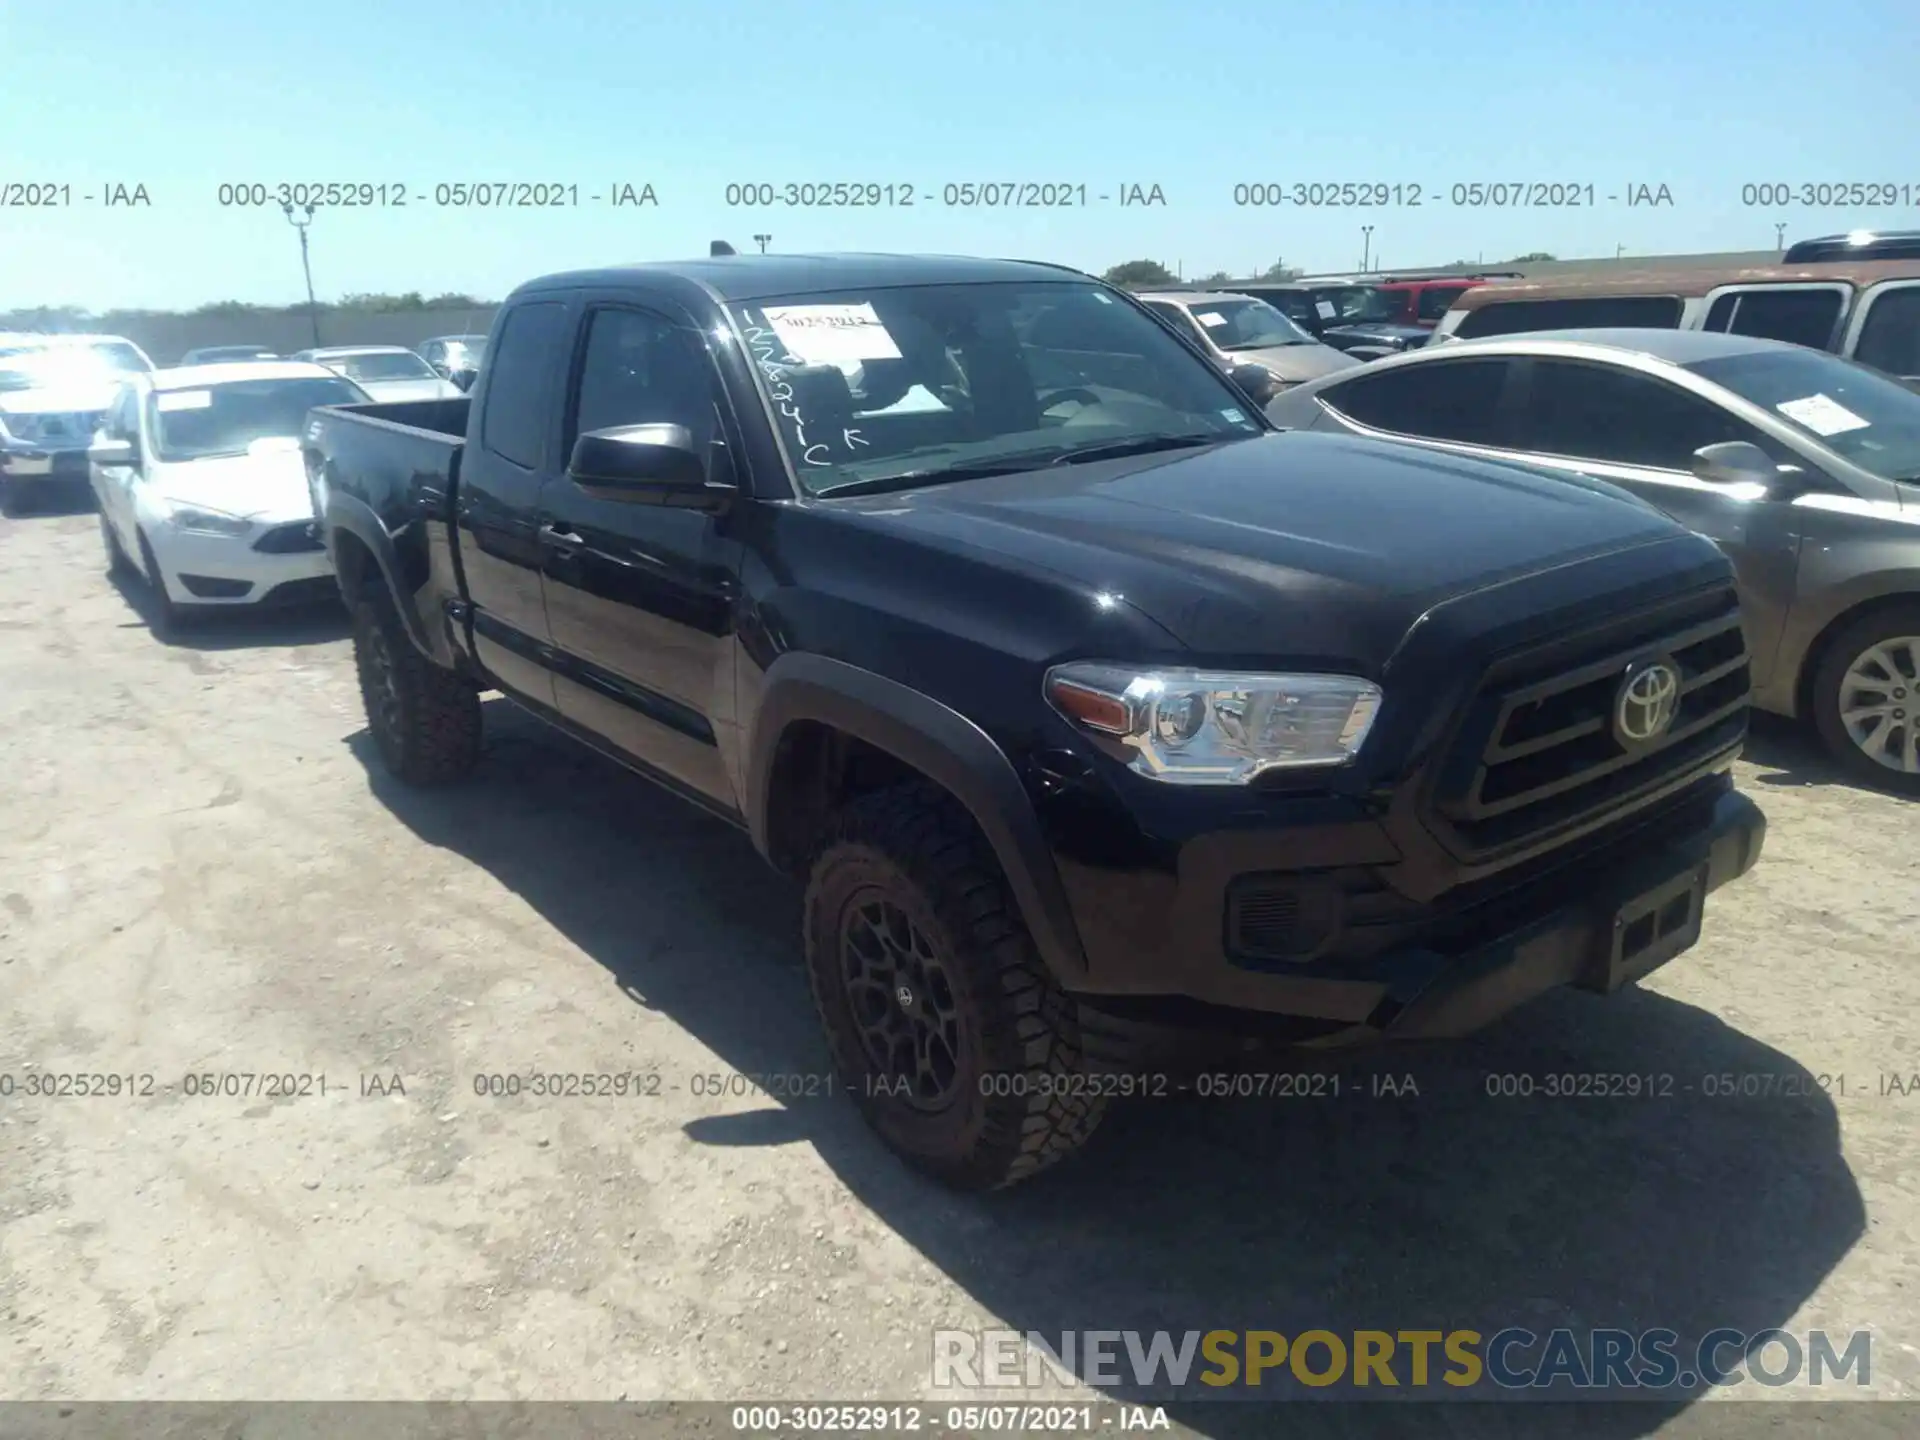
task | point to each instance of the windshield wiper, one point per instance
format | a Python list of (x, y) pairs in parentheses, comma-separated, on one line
[(910, 479), (1139, 445)]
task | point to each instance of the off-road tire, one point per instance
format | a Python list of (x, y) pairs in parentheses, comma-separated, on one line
[(916, 847), (427, 724), (1824, 698), (118, 565)]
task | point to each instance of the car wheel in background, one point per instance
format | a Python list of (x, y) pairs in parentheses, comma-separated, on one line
[(13, 499), (167, 617), (943, 1022), (424, 719), (117, 562), (1866, 698)]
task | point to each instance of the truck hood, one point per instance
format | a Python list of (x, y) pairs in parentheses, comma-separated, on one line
[(1340, 540), (78, 398), (1295, 363), (268, 485)]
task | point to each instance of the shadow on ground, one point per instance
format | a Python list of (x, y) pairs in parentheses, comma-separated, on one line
[(235, 627), (1444, 1210), (1790, 754)]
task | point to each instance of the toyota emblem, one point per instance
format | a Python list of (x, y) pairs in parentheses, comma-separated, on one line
[(1646, 702)]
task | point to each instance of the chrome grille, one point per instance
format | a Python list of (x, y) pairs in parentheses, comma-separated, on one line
[(1537, 749)]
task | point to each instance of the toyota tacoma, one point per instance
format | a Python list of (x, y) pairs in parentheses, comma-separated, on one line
[(1079, 698)]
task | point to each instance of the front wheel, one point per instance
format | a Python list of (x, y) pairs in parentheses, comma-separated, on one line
[(118, 565), (169, 617), (943, 1022), (425, 719), (1866, 699)]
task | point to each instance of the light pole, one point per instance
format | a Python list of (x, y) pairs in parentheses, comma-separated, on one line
[(313, 309), (1366, 246), (762, 241), (1780, 235)]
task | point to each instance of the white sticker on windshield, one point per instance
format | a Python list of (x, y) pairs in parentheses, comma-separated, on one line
[(1324, 309), (1209, 317), (832, 334), (1103, 299), (183, 400), (1822, 414), (1233, 415)]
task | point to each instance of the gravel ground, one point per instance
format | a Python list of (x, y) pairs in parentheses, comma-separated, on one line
[(204, 872)]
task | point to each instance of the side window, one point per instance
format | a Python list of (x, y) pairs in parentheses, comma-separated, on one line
[(641, 369), (1436, 301), (519, 393), (1514, 317), (1604, 413), (1890, 338), (1456, 400), (1178, 318), (1800, 317)]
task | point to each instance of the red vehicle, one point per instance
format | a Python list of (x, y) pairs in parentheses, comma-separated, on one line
[(1423, 302)]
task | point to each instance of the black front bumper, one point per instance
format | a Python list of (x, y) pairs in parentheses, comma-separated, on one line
[(1606, 917)]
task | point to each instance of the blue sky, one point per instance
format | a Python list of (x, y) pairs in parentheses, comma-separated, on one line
[(1195, 97)]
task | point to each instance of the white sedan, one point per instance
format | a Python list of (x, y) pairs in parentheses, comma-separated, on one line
[(386, 372), (203, 490)]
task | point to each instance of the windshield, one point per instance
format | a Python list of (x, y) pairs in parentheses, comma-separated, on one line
[(1856, 412), (1358, 304), (380, 365), (916, 383), (230, 352), (1247, 325), (46, 365), (225, 419)]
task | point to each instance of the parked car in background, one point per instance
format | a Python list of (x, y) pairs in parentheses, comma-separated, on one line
[(201, 490), (1240, 330), (386, 372), (1077, 698), (1855, 245), (1867, 311), (1366, 315), (227, 355), (53, 391), (455, 357), (1803, 467)]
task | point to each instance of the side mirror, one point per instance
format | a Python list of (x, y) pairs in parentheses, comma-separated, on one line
[(646, 465), (463, 378), (1738, 462), (1256, 382), (104, 451)]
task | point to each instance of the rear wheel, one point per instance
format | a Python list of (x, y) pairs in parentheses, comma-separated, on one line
[(425, 719), (1866, 698), (943, 1022), (13, 499)]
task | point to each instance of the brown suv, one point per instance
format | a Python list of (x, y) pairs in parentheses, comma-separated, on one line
[(1866, 310)]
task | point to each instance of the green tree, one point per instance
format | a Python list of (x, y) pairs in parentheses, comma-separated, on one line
[(1528, 258), (1218, 277), (1140, 273), (1280, 270)]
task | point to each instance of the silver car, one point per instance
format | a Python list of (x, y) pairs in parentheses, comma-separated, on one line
[(1803, 467), (53, 391), (386, 372), (1240, 330)]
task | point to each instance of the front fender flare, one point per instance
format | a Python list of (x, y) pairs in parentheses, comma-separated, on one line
[(941, 744)]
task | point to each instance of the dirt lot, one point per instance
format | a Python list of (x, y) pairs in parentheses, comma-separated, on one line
[(204, 873)]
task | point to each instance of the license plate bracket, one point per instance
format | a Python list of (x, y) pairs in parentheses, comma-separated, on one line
[(1650, 929)]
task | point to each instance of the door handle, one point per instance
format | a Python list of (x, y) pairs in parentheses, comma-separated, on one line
[(564, 541)]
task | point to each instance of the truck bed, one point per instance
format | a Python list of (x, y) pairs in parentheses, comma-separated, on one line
[(396, 458)]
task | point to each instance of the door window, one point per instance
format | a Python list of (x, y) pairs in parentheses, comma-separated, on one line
[(520, 394), (1799, 317), (1436, 300), (1890, 339), (1456, 400), (641, 369), (1179, 319), (1621, 417)]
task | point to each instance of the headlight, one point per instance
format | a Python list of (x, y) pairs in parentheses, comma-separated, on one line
[(1209, 727), (23, 427), (207, 522)]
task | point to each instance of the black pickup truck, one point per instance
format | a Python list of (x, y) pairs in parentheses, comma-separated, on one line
[(1082, 701)]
